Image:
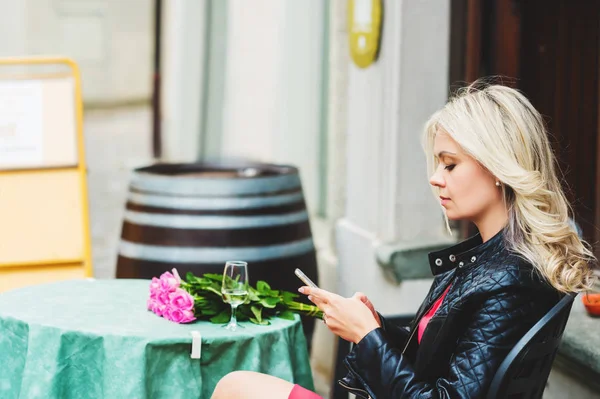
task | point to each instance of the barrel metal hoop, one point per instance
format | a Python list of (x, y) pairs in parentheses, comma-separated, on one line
[(214, 255), (214, 203), (212, 221), (213, 187)]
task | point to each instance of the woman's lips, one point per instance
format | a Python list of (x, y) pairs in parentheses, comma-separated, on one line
[(444, 200)]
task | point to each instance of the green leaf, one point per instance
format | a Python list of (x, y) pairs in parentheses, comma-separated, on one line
[(287, 314), (270, 302), (260, 323), (214, 277), (257, 313), (213, 290), (189, 276), (253, 295), (222, 317), (288, 296), (262, 286)]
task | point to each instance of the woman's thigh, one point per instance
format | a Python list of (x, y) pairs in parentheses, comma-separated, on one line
[(252, 385)]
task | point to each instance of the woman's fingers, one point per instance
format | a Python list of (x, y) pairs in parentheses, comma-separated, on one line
[(363, 298), (324, 300), (317, 293), (317, 301), (360, 295)]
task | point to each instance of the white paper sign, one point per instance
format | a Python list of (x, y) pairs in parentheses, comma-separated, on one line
[(21, 138)]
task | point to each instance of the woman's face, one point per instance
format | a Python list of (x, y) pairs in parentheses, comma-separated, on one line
[(467, 190)]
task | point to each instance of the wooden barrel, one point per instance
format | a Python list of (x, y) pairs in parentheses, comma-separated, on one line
[(195, 217)]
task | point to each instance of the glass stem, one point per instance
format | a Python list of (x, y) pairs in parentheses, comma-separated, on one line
[(233, 317)]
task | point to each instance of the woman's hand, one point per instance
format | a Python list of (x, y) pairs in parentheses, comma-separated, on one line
[(363, 298), (349, 318)]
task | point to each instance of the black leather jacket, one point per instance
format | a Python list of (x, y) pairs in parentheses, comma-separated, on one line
[(494, 299)]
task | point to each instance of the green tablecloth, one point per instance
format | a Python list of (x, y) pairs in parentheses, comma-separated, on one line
[(95, 339)]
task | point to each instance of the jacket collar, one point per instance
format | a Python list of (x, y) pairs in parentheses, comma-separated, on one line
[(468, 252)]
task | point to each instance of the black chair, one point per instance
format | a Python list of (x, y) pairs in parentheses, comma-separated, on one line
[(525, 371)]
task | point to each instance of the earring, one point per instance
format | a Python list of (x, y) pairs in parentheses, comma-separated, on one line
[(497, 183)]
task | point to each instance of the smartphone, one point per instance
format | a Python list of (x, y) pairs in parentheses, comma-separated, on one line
[(304, 278)]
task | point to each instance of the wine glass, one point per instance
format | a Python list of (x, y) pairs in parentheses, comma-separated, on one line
[(234, 288)]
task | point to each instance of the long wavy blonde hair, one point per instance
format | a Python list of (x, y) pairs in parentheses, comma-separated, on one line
[(499, 128)]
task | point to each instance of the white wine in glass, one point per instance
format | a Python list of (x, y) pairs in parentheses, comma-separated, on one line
[(234, 288)]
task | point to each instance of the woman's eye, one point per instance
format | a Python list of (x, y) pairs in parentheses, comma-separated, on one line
[(449, 167)]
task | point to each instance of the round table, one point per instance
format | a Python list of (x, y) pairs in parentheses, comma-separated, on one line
[(95, 339)]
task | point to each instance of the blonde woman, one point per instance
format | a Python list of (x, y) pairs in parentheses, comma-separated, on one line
[(490, 162)]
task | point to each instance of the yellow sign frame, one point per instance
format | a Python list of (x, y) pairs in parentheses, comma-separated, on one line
[(20, 273)]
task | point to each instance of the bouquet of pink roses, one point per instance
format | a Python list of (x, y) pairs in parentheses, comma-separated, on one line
[(183, 301), (169, 300)]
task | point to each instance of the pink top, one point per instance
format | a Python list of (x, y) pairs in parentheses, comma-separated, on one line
[(299, 392), (425, 319)]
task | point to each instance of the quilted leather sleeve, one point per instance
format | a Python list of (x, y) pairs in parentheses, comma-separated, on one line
[(396, 335), (495, 327)]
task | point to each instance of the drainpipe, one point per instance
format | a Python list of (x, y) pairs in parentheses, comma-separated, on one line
[(156, 111)]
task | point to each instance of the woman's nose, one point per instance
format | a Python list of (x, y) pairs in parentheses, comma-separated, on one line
[(436, 180)]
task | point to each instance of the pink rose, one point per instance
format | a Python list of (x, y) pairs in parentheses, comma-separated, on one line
[(149, 303), (159, 309), (156, 307), (163, 298), (181, 299), (155, 287), (178, 315), (169, 282), (188, 316)]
